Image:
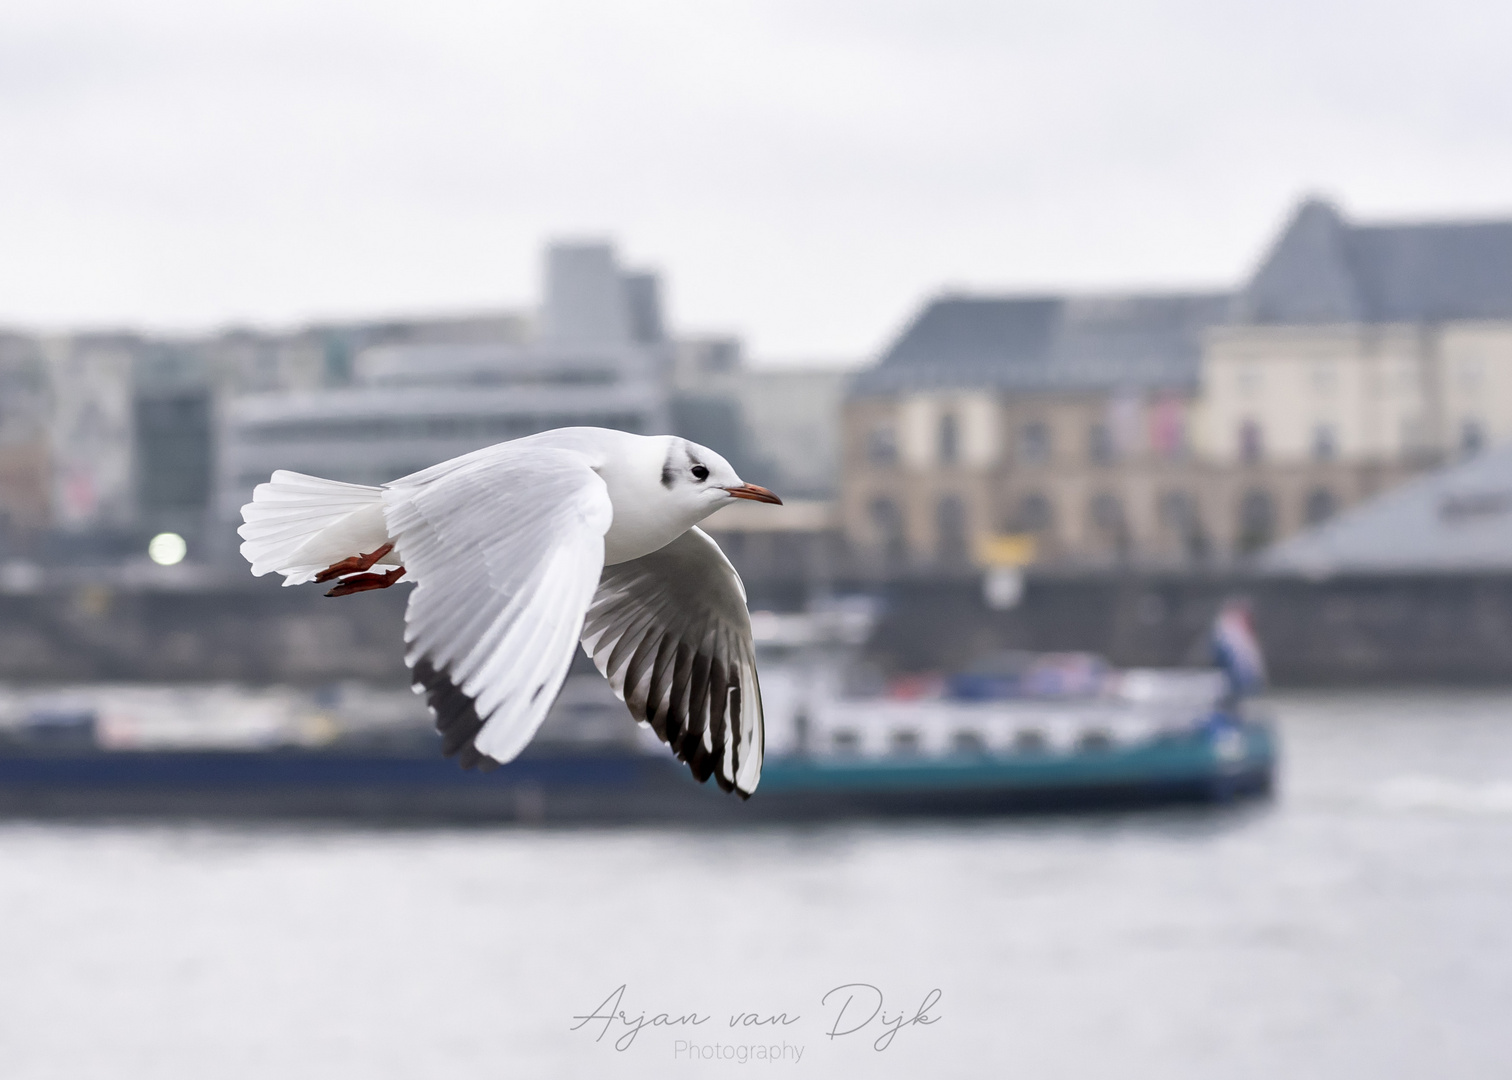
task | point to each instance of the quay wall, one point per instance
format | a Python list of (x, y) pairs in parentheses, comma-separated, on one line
[(1445, 628)]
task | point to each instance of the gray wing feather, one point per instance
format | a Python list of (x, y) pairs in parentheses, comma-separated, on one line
[(671, 633)]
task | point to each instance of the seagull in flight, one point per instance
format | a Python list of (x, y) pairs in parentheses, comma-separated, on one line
[(520, 551)]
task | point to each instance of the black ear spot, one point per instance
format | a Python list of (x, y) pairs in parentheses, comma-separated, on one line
[(700, 473)]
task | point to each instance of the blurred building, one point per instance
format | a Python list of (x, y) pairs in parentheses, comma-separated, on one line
[(25, 471), (1068, 420), (131, 425), (124, 435), (1159, 430), (172, 427), (1180, 429), (1455, 520), (411, 407), (1357, 356), (706, 376), (779, 425), (91, 435), (793, 415), (599, 358)]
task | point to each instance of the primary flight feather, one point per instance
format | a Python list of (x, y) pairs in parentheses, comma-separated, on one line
[(521, 551)]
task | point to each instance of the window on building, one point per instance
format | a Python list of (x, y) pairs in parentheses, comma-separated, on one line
[(888, 523), (337, 357), (1034, 514), (1100, 448), (174, 441), (1167, 427), (1320, 506), (1472, 437), (882, 446), (950, 530), (1178, 513), (1251, 441), (1034, 443), (1176, 509), (1325, 443), (1108, 521), (1257, 519), (949, 440)]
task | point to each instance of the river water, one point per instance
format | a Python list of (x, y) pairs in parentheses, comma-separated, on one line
[(1358, 926)]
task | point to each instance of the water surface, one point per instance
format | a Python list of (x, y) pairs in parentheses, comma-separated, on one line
[(1360, 925)]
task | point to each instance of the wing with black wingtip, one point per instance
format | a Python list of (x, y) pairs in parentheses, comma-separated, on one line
[(671, 633)]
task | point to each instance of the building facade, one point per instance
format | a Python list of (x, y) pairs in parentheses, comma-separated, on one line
[(412, 407), (1066, 422), (778, 425), (594, 357), (1356, 357), (1182, 429), (25, 462)]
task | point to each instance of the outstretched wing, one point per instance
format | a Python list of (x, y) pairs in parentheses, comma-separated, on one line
[(671, 633), (505, 548)]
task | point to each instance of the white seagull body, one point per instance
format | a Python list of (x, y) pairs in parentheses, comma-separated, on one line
[(522, 550)]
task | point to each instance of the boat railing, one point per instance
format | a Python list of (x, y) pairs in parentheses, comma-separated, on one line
[(937, 729)]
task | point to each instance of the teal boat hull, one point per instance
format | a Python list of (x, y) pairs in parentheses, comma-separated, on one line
[(1215, 762), (1211, 763)]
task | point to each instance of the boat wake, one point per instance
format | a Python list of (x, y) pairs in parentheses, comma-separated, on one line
[(1442, 794)]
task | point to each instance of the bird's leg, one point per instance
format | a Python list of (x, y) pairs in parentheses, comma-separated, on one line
[(354, 564), (363, 582)]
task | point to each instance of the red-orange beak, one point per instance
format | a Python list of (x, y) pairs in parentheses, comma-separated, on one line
[(755, 493)]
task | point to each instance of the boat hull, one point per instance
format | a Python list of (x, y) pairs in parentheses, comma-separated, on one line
[(1209, 764)]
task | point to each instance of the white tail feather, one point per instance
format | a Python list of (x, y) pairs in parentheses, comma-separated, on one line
[(298, 525)]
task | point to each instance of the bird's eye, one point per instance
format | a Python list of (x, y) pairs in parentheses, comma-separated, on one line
[(700, 473)]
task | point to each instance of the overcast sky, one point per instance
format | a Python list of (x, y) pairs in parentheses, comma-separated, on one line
[(802, 173)]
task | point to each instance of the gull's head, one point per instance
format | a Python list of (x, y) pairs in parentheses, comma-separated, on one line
[(704, 481)]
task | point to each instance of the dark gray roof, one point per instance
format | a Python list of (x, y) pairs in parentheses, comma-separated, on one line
[(1324, 269), (1030, 343), (1457, 519)]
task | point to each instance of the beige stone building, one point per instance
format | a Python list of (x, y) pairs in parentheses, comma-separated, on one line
[(1359, 355), (1066, 420), (1172, 430)]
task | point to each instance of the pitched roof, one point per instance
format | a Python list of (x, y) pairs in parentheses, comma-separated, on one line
[(1457, 519), (1323, 269), (1032, 343)]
